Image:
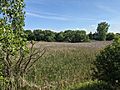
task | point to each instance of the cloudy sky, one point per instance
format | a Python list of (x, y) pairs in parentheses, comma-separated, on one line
[(60, 15)]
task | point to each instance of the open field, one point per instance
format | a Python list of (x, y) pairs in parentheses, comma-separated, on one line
[(65, 64), (94, 44)]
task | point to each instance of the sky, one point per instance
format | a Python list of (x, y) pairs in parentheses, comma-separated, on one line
[(60, 15)]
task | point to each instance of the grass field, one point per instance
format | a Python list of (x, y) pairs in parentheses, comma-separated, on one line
[(64, 64)]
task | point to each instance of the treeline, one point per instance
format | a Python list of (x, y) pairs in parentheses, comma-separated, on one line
[(66, 36), (71, 35), (109, 36), (50, 36)]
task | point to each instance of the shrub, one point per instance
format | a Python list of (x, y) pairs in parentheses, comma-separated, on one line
[(110, 36), (108, 64)]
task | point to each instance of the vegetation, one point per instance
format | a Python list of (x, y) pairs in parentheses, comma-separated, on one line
[(50, 36), (15, 57), (64, 64), (102, 30), (72, 36), (110, 36), (91, 85), (11, 41), (108, 65)]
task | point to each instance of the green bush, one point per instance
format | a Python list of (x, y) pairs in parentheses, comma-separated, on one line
[(110, 36), (108, 64)]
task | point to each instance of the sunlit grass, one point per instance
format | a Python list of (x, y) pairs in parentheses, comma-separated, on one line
[(64, 65)]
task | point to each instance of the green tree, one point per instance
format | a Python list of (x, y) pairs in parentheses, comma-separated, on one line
[(110, 36), (117, 35), (30, 35), (79, 36), (102, 30), (60, 37), (16, 58), (39, 35), (49, 36), (90, 36), (68, 35), (95, 36), (107, 65)]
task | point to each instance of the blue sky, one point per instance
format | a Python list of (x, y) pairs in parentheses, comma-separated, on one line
[(60, 15)]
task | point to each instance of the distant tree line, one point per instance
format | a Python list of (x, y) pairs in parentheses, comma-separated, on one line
[(50, 36), (71, 35), (109, 36)]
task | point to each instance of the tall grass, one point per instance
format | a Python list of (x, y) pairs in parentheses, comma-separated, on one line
[(90, 85), (63, 66)]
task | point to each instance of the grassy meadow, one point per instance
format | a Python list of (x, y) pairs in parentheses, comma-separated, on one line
[(64, 64)]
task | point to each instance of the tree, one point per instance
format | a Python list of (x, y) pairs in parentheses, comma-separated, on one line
[(79, 36), (60, 37), (16, 58), (107, 65), (39, 35), (68, 35), (102, 30), (90, 36), (30, 35), (110, 36), (49, 36)]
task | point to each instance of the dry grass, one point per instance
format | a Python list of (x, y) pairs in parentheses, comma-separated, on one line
[(65, 64)]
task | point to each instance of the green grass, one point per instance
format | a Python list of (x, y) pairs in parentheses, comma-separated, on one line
[(90, 85), (63, 66)]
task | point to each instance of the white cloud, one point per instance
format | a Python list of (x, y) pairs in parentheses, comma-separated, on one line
[(47, 17), (55, 16)]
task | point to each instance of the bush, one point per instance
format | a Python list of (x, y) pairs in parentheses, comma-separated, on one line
[(108, 64), (110, 36)]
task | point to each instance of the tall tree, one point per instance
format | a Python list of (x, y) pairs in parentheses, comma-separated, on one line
[(30, 35), (90, 36), (102, 30), (15, 56), (60, 37)]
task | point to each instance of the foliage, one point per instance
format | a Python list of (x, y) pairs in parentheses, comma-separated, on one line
[(95, 36), (72, 35), (102, 30), (11, 36), (60, 37), (30, 35), (90, 36), (15, 56), (91, 85), (108, 64), (50, 36), (63, 65), (38, 34), (110, 36), (46, 35), (79, 36)]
